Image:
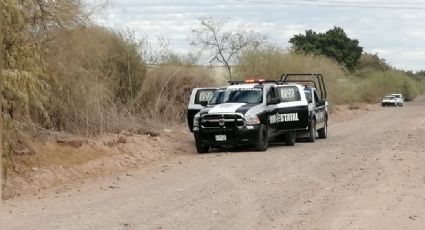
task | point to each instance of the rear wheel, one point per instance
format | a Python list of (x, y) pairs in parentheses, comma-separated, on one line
[(262, 140), (312, 131), (199, 147), (290, 138), (323, 132)]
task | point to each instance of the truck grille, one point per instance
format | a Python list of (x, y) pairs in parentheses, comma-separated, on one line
[(222, 121)]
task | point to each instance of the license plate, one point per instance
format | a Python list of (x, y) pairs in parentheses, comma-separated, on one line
[(220, 138)]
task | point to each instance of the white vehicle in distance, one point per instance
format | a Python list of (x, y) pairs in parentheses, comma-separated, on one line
[(389, 101), (399, 98)]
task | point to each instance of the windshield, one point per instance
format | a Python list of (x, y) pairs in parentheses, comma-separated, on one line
[(389, 98), (238, 95)]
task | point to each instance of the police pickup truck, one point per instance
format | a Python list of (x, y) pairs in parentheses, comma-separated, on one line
[(315, 92), (248, 113)]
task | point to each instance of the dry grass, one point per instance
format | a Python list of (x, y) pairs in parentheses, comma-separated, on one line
[(272, 62), (343, 87), (166, 90)]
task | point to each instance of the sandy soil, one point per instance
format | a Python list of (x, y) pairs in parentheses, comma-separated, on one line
[(56, 160), (369, 174)]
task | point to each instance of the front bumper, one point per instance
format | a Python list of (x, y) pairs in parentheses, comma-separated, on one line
[(389, 103), (237, 136)]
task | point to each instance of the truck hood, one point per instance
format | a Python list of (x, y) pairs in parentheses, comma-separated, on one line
[(241, 108)]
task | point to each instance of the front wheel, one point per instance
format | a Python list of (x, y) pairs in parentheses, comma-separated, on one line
[(262, 139), (323, 132), (312, 131), (290, 138), (199, 147)]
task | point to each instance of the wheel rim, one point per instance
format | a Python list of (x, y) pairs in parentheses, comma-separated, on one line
[(326, 128)]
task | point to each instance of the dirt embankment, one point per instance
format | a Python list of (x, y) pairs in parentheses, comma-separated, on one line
[(58, 161), (52, 161)]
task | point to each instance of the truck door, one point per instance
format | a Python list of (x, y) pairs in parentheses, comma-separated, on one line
[(271, 101), (292, 111), (319, 109), (198, 98)]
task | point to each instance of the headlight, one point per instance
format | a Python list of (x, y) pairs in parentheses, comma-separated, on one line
[(196, 121), (252, 120)]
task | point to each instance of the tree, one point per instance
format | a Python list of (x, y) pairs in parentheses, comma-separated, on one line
[(372, 62), (334, 44), (223, 45)]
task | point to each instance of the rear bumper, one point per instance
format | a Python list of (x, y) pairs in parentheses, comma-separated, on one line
[(243, 136)]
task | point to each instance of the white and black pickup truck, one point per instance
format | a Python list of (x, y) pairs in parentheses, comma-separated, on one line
[(399, 98), (197, 101), (318, 113), (390, 100), (248, 113)]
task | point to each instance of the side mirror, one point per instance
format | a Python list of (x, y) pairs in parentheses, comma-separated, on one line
[(321, 102), (309, 100), (274, 101), (204, 103)]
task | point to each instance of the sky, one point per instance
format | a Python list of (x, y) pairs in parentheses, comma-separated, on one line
[(393, 29)]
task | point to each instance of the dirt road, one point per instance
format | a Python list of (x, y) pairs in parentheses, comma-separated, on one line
[(369, 174)]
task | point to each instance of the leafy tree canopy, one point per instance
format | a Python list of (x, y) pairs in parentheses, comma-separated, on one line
[(334, 44)]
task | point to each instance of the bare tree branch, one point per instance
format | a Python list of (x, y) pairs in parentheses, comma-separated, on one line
[(223, 46)]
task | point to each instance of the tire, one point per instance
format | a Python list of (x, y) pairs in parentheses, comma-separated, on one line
[(312, 131), (199, 147), (323, 132), (290, 138), (262, 139)]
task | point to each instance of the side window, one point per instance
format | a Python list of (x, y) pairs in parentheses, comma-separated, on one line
[(308, 95), (289, 94), (203, 95), (270, 94)]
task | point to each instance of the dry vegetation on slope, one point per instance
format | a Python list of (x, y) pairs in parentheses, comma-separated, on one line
[(60, 72)]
